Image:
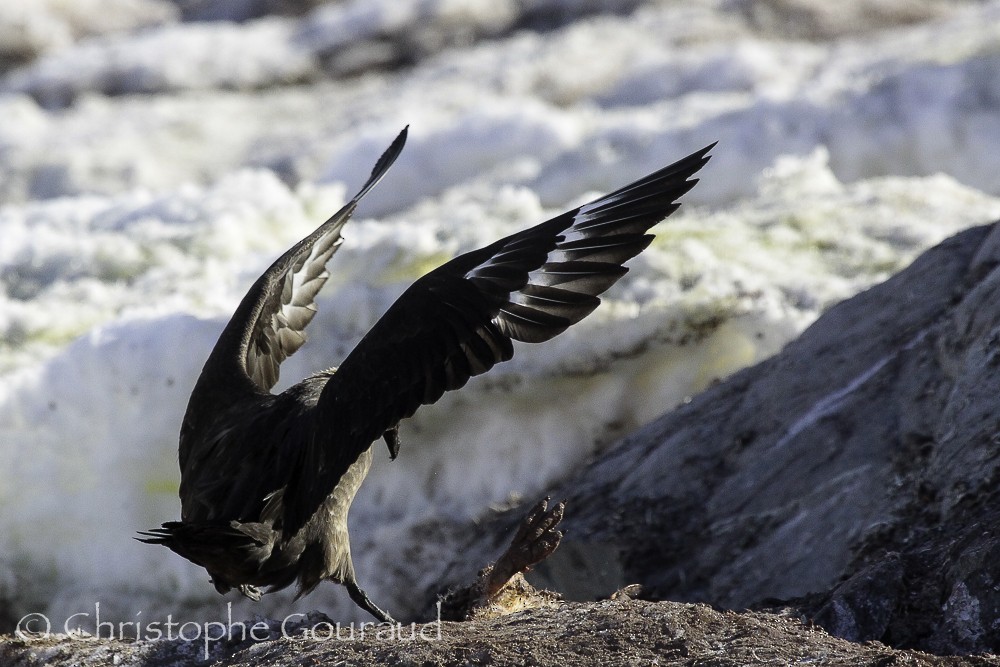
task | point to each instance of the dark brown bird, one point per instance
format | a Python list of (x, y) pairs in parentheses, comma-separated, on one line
[(267, 480)]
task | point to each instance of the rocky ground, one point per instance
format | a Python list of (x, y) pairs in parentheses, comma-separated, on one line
[(618, 632)]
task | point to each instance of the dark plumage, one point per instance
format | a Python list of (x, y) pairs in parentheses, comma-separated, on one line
[(267, 480)]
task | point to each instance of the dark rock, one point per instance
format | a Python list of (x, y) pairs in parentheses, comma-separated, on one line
[(861, 608)]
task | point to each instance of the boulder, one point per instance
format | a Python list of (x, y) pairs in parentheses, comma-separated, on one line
[(852, 477)]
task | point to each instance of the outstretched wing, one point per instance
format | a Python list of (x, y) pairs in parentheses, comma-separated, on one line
[(459, 320), (269, 324)]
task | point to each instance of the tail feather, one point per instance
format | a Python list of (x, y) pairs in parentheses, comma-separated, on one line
[(229, 550)]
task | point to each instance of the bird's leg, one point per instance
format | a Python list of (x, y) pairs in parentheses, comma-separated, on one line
[(361, 599), (392, 441)]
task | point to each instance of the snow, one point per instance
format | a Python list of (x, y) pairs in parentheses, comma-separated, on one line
[(153, 167)]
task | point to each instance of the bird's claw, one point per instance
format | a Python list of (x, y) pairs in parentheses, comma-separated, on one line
[(251, 592), (391, 438)]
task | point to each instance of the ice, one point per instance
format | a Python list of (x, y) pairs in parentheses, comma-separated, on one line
[(29, 28), (153, 167), (209, 55)]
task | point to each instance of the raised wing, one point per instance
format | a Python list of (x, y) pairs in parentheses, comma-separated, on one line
[(460, 320), (268, 326)]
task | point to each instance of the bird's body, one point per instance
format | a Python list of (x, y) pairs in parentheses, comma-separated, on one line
[(267, 479)]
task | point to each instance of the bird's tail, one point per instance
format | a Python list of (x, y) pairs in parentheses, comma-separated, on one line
[(212, 544)]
